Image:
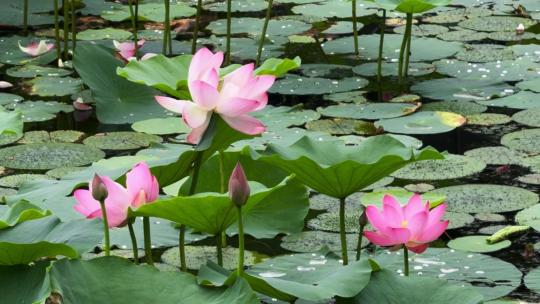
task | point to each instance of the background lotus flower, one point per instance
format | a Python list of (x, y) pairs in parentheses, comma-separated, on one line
[(412, 225), (142, 185), (127, 49), (238, 186), (233, 97), (36, 48), (5, 85)]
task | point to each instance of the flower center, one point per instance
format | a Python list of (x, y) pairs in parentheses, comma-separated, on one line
[(404, 224)]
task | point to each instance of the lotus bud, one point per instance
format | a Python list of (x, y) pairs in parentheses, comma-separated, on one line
[(99, 190), (520, 29), (238, 186), (363, 220), (5, 85)]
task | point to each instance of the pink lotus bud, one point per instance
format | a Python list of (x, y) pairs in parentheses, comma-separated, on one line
[(99, 189), (520, 29), (5, 85), (238, 186)]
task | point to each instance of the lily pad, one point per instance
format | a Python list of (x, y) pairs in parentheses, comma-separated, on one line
[(423, 30), (46, 86), (284, 116), (311, 241), (477, 243), (252, 26), (451, 167), (457, 14), (59, 173), (7, 98), (238, 6), (149, 12), (48, 156), (463, 35), (31, 71), (510, 36), (506, 70), (424, 122), (297, 85), (347, 97), (328, 203), (529, 216), (461, 107), (532, 280), (11, 54), (337, 8), (530, 117), (462, 89), (375, 198), (60, 136), (391, 69), (325, 70), (496, 23), (521, 100), (485, 53), (488, 119), (458, 219), (497, 155), (32, 111), (477, 198), (9, 138), (490, 218), (16, 180), (527, 140), (342, 126), (161, 126), (121, 140), (342, 27), (531, 179), (330, 222), (370, 111)]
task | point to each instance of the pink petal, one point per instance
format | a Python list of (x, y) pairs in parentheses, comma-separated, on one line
[(261, 85), (195, 116), (86, 204), (5, 85), (433, 232), (148, 56), (238, 186), (392, 211), (204, 66), (414, 206), (399, 235), (436, 215), (417, 223), (378, 239), (138, 180), (171, 104), (237, 106), (376, 219), (203, 94), (245, 124), (418, 248), (197, 133), (241, 76)]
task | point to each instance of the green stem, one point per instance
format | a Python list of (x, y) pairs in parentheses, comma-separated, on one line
[(222, 179), (105, 228), (73, 27), (134, 26), (134, 246), (181, 248), (219, 250), (359, 245), (403, 47), (355, 27), (25, 17), (228, 47), (224, 239), (408, 49), (406, 261), (196, 28), (342, 234), (381, 46), (263, 34), (66, 27), (57, 31), (240, 268), (167, 29), (147, 240)]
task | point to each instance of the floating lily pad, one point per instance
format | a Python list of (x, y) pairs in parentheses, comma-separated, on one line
[(246, 48), (330, 221), (121, 140), (297, 85), (485, 53), (325, 202), (238, 6), (31, 71), (325, 70), (419, 188), (496, 155), (123, 253), (253, 26), (103, 34), (11, 54), (196, 256), (369, 111), (33, 111), (48, 156), (533, 162), (7, 98), (347, 97), (463, 35), (477, 243), (462, 89), (458, 14), (339, 126), (9, 138), (16, 180), (531, 85), (423, 30), (475, 198), (7, 192), (525, 140), (532, 280), (506, 70), (60, 136), (301, 39), (342, 27), (391, 69), (459, 107), (529, 216), (451, 167), (490, 276), (149, 12), (488, 119), (337, 8), (53, 86), (284, 116), (458, 219), (311, 241), (521, 100), (490, 218), (406, 98), (161, 126), (496, 23), (530, 117), (531, 179), (510, 36), (375, 198), (426, 122), (59, 173)]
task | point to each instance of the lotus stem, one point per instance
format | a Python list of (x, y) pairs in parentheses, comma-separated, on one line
[(263, 34), (219, 250), (403, 47), (181, 248), (105, 228), (133, 18), (134, 246), (196, 28), (228, 46), (223, 189), (167, 29), (147, 240), (355, 28), (408, 49), (25, 17), (73, 26), (66, 27), (381, 46), (57, 31), (406, 261), (342, 234), (240, 268)]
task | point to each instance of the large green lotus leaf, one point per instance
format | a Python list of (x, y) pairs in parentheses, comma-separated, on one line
[(48, 156), (477, 243), (11, 123), (278, 66), (246, 48), (462, 89), (103, 34), (89, 282), (313, 276), (326, 70), (46, 86), (118, 100), (496, 23), (252, 26), (491, 277), (506, 70), (411, 6), (213, 213), (531, 85), (31, 71), (283, 136), (20, 212), (48, 237), (485, 198), (165, 74), (385, 286), (297, 85), (391, 69), (336, 8), (527, 140), (521, 100), (149, 12), (369, 111), (424, 122), (338, 170), (422, 49), (39, 110), (25, 283), (453, 166), (463, 108), (161, 126), (11, 54)]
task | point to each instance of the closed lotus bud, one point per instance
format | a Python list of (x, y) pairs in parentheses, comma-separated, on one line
[(99, 190), (238, 186), (363, 220)]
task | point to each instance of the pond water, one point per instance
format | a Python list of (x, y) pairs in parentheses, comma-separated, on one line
[(466, 60)]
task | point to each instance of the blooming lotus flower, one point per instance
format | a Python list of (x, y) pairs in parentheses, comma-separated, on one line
[(238, 186), (142, 188), (412, 225), (233, 97), (5, 85), (35, 49), (127, 49)]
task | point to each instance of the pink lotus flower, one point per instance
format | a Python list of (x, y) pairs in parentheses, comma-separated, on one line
[(35, 49), (127, 49), (412, 225), (142, 188), (238, 186), (233, 97), (5, 85)]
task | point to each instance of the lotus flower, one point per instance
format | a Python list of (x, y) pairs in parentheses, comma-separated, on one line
[(412, 225), (238, 186), (127, 49), (35, 49), (233, 97), (142, 188), (5, 85)]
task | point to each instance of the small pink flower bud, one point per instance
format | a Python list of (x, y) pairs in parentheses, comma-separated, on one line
[(520, 29), (99, 190), (238, 186)]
